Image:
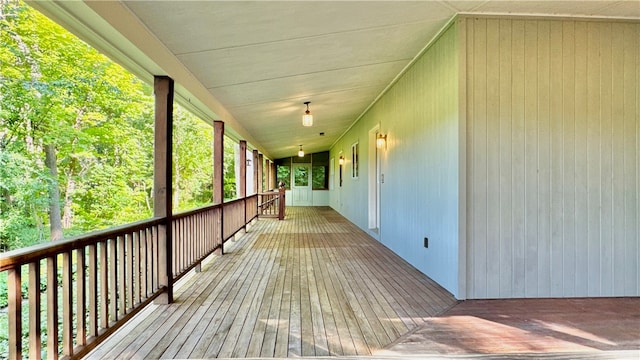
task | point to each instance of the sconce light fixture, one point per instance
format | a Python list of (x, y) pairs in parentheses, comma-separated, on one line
[(301, 152), (307, 118), (341, 160), (381, 141), (248, 162)]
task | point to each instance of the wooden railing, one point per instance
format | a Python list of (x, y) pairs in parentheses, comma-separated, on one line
[(272, 204), (233, 218), (251, 207), (108, 276), (196, 235)]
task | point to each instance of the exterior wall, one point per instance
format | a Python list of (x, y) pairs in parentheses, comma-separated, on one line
[(419, 196), (553, 158), (320, 198)]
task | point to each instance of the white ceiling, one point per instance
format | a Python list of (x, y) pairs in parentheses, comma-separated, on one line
[(253, 64)]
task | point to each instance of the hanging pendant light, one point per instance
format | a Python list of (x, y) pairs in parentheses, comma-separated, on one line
[(307, 118), (301, 152)]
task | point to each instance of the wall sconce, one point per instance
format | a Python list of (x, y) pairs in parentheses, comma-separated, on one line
[(381, 141), (341, 160), (301, 152), (248, 162), (307, 118)]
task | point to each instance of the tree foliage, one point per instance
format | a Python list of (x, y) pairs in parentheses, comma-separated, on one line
[(58, 93)]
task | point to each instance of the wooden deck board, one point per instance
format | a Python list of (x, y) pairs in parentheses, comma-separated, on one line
[(311, 285), (531, 328)]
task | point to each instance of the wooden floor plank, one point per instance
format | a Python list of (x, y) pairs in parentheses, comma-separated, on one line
[(260, 327), (253, 328), (319, 342), (240, 333), (272, 322)]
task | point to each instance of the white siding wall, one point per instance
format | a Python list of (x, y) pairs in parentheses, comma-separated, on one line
[(553, 158), (419, 196)]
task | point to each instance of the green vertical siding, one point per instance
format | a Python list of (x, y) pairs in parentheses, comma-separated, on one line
[(552, 135), (419, 197)]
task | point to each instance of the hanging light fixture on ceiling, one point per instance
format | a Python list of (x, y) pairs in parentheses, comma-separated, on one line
[(307, 118), (301, 152)]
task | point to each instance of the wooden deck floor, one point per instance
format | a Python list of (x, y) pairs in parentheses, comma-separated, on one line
[(311, 285), (577, 328)]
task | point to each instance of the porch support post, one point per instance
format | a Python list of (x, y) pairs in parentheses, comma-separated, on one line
[(162, 184), (243, 178), (218, 174), (260, 170), (255, 171), (274, 180), (267, 175), (243, 168)]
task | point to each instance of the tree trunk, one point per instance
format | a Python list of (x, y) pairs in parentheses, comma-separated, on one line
[(55, 220)]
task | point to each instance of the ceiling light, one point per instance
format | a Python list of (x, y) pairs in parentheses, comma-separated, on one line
[(301, 152), (307, 118)]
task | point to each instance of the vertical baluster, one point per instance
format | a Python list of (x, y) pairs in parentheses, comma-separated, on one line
[(81, 301), (194, 240), (129, 270), (212, 228), (203, 228), (93, 291), (113, 279), (52, 307), (207, 220), (184, 243), (104, 285), (186, 240), (136, 267), (156, 256), (35, 332), (193, 250), (144, 292), (150, 261), (67, 302), (121, 289), (193, 243), (200, 233), (177, 249), (15, 313)]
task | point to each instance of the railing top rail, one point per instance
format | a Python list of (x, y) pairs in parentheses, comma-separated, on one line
[(30, 254), (200, 209), (33, 253)]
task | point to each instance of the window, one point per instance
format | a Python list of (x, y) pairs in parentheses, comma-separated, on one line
[(301, 175), (284, 175), (283, 172), (354, 161), (320, 177), (320, 171)]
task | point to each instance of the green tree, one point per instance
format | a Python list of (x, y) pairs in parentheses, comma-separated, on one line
[(192, 161), (229, 169), (78, 121)]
